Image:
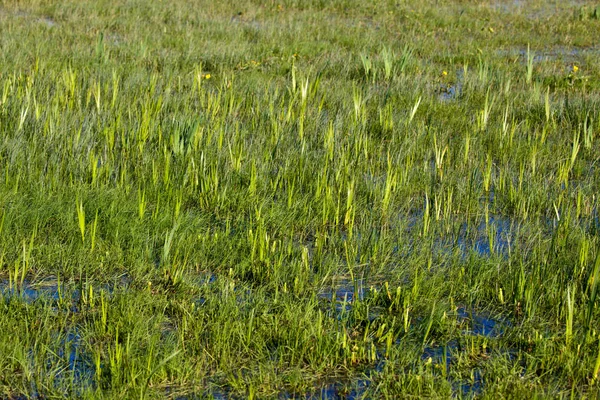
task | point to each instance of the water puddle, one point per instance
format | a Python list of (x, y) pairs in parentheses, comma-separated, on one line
[(442, 358), (335, 391), (496, 237), (479, 324), (445, 356), (60, 294), (533, 11), (559, 53), (79, 363), (507, 6), (345, 291), (343, 295), (452, 92), (30, 292), (68, 363), (49, 22), (43, 20), (440, 355), (472, 388), (449, 93)]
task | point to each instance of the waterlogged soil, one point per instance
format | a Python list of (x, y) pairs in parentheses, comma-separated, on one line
[(344, 293), (77, 366), (335, 391), (338, 299), (470, 321), (452, 91), (479, 323), (43, 20), (79, 361), (54, 290), (533, 10), (492, 237), (29, 291), (444, 357), (554, 53), (341, 297)]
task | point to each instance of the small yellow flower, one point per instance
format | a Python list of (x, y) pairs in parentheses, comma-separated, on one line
[(575, 68), (444, 73), (207, 76)]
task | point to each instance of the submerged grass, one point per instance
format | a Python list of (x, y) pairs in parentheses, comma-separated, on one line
[(299, 199)]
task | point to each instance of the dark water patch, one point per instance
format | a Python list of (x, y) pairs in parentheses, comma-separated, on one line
[(346, 291), (339, 390), (213, 392), (72, 295), (79, 362), (479, 324), (446, 357), (69, 365), (440, 355), (451, 92), (591, 223), (204, 280), (30, 292), (207, 278), (470, 388), (343, 295), (122, 282), (442, 358), (496, 236), (560, 53)]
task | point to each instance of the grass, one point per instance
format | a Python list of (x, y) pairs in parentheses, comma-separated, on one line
[(307, 199)]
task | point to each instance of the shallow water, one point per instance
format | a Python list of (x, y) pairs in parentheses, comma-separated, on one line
[(335, 391), (53, 290), (345, 291), (30, 292), (454, 91), (559, 53), (439, 354), (470, 322), (468, 389), (79, 362), (503, 231), (479, 324)]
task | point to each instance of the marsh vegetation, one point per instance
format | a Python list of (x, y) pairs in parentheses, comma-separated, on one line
[(299, 199)]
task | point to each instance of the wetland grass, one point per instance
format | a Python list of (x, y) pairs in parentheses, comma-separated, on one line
[(299, 199)]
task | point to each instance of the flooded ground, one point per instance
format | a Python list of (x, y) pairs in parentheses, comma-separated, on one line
[(28, 291)]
